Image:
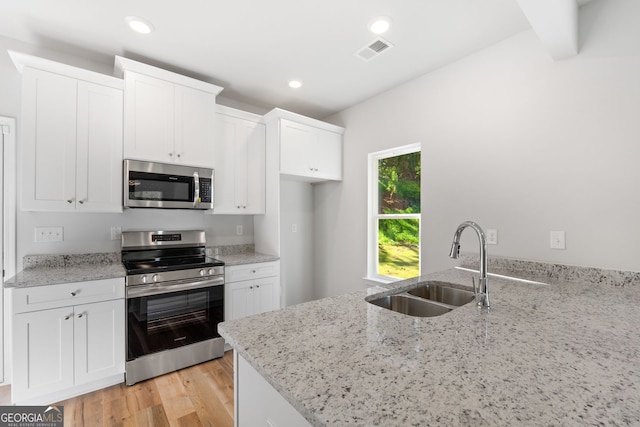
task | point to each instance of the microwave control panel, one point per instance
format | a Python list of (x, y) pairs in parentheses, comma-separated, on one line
[(205, 190)]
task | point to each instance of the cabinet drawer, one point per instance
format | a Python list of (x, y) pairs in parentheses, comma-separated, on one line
[(53, 296), (251, 271)]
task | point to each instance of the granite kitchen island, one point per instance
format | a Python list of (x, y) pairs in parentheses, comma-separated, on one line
[(562, 353)]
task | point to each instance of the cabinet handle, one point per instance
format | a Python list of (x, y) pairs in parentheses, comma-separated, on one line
[(250, 287), (170, 154), (80, 315), (74, 293), (81, 201), (68, 317), (238, 207), (253, 271), (178, 155), (257, 286), (69, 200)]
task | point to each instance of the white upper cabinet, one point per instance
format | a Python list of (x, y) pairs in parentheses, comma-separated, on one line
[(149, 122), (239, 163), (71, 138), (169, 118), (310, 150), (307, 151)]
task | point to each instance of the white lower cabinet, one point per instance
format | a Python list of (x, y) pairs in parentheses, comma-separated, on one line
[(68, 349), (251, 289), (258, 403)]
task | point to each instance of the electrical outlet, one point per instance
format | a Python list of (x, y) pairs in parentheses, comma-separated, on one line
[(239, 230), (49, 234), (116, 233), (294, 228), (492, 236), (557, 240)]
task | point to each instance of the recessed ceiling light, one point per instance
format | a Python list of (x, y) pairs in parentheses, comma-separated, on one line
[(379, 25), (139, 25), (295, 84)]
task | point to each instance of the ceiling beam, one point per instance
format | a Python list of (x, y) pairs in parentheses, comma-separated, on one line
[(555, 22)]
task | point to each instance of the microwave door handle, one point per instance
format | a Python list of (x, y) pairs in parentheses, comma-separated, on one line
[(196, 190)]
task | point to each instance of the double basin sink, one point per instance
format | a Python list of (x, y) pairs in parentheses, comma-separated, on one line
[(428, 300)]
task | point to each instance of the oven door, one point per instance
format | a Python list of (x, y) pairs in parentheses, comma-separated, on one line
[(169, 320)]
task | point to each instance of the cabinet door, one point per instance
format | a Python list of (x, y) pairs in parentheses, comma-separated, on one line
[(327, 155), (42, 352), (99, 149), (48, 141), (224, 164), (296, 146), (148, 118), (99, 338), (239, 165), (241, 299), (266, 295), (194, 126), (255, 171), (258, 403)]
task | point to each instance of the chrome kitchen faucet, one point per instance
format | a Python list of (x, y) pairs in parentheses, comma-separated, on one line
[(482, 294)]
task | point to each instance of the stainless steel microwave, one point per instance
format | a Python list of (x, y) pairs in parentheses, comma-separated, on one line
[(161, 185)]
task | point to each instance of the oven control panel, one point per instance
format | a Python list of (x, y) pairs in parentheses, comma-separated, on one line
[(175, 237), (176, 275)]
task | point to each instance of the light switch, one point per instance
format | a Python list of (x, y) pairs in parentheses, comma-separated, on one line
[(49, 234), (557, 240)]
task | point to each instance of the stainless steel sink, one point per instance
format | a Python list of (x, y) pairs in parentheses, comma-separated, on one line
[(412, 306), (438, 291), (431, 299)]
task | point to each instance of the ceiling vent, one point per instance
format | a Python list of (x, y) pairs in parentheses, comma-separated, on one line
[(373, 49)]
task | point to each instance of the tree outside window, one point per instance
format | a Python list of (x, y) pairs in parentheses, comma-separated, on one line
[(394, 243)]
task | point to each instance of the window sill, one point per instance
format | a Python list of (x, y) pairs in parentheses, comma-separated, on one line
[(375, 281)]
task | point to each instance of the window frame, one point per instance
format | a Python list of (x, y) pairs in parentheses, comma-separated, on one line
[(372, 212)]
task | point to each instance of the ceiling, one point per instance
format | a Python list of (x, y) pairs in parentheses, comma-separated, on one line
[(252, 48)]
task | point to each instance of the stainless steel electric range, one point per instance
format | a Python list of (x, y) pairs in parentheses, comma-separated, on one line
[(175, 300)]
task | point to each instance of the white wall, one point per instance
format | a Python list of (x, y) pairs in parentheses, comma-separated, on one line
[(92, 232), (512, 140), (296, 247)]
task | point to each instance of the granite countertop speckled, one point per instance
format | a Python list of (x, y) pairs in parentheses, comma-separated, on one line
[(42, 270), (246, 258), (561, 354)]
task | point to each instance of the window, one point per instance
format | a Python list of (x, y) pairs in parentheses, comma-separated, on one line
[(394, 213)]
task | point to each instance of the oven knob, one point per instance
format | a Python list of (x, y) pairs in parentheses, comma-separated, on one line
[(211, 271), (155, 277), (202, 272), (144, 279)]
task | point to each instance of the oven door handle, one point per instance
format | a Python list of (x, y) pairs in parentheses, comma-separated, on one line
[(157, 289)]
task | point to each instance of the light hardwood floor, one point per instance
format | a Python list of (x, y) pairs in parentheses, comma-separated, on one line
[(201, 395)]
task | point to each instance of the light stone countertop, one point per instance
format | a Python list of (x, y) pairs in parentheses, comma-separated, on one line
[(561, 354), (43, 270), (246, 258)]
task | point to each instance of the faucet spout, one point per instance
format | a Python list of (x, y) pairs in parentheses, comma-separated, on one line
[(483, 294)]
